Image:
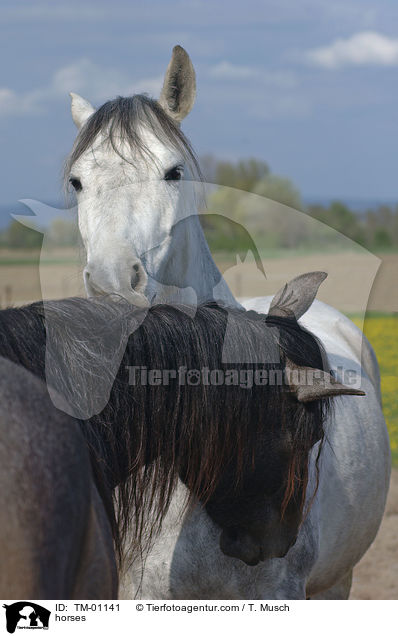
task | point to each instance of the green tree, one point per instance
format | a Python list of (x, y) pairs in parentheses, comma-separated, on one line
[(22, 237), (342, 219), (242, 175), (279, 189), (63, 232), (382, 238)]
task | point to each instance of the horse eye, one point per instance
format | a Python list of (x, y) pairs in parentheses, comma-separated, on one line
[(174, 174), (76, 184)]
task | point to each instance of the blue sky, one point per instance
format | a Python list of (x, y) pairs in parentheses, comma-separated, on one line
[(310, 86)]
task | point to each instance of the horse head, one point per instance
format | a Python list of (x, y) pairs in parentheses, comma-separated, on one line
[(261, 513), (126, 169)]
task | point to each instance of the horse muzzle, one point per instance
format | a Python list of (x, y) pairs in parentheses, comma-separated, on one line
[(241, 544), (127, 281)]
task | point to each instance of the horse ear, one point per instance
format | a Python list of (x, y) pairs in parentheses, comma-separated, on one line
[(310, 384), (179, 86), (293, 300), (81, 109)]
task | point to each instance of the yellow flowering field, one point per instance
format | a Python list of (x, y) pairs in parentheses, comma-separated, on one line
[(382, 332)]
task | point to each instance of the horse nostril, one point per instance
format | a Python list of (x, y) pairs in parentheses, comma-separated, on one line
[(138, 278), (86, 276), (135, 278)]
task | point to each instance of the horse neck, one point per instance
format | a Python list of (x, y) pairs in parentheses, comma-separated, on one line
[(191, 262)]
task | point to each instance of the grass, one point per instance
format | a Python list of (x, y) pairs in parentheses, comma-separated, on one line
[(382, 332), (36, 261), (45, 256)]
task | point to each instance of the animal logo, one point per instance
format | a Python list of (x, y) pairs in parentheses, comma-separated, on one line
[(26, 615), (193, 377)]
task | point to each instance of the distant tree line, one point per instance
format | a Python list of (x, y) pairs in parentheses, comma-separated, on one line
[(375, 229), (256, 216), (60, 233)]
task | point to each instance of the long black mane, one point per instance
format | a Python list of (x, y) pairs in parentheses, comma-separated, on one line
[(148, 435)]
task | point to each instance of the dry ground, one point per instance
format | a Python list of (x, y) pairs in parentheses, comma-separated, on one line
[(376, 575), (348, 286), (356, 281)]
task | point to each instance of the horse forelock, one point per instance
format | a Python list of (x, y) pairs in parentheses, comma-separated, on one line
[(120, 121)]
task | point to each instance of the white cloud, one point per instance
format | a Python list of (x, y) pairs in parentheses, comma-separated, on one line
[(281, 107), (367, 48), (83, 76), (151, 85), (13, 104), (40, 12), (235, 73), (226, 70), (99, 83), (8, 99)]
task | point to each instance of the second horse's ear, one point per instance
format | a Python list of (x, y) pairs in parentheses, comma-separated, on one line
[(297, 296), (310, 384), (179, 86), (81, 109)]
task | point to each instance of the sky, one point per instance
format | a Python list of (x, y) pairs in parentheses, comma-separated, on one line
[(309, 86)]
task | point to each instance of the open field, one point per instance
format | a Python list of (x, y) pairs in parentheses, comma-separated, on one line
[(26, 276), (356, 281)]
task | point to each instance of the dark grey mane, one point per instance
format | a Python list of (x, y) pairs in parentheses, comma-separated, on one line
[(120, 119)]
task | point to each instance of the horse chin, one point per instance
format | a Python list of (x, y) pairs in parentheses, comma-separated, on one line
[(240, 545), (136, 298)]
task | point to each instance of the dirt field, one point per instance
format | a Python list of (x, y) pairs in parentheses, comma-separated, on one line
[(376, 575), (355, 281), (352, 285)]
